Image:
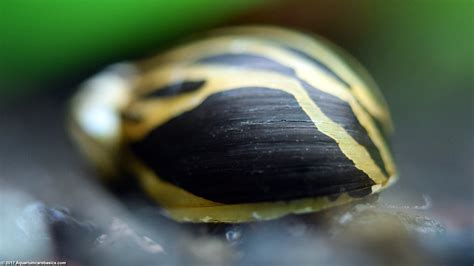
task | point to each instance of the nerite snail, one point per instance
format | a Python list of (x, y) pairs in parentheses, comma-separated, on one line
[(247, 123)]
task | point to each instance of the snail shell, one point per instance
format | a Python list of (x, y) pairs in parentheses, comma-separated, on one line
[(246, 123)]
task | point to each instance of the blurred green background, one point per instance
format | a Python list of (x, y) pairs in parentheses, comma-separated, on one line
[(44, 41), (47, 41), (419, 52)]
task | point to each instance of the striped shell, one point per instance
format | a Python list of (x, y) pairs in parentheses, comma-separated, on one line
[(247, 123)]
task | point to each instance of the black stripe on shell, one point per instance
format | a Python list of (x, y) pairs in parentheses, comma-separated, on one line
[(337, 110), (248, 61), (341, 113), (174, 89), (249, 145), (319, 64)]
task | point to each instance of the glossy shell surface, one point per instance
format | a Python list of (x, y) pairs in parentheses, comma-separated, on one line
[(250, 123)]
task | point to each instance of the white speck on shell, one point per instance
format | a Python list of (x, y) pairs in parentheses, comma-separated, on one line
[(206, 219), (257, 216)]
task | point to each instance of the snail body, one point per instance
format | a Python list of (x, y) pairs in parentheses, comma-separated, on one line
[(245, 124)]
